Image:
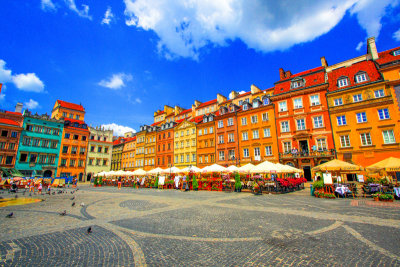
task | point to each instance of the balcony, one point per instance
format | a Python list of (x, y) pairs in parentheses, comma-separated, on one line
[(308, 154)]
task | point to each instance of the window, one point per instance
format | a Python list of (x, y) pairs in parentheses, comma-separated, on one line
[(268, 151), (80, 163), (245, 107), (29, 128), (56, 132), (106, 150), (23, 157), (357, 98), (26, 141), (193, 157), (220, 139), (193, 143), (205, 130), (71, 115), (66, 135), (65, 114), (4, 133), (301, 125), (388, 137), (99, 149), (182, 133), (74, 150), (296, 84), (246, 153), (244, 121), (176, 134), (14, 134), (193, 132), (383, 114), (9, 160), (285, 126), (38, 129), (220, 124), (230, 121), (187, 143), (176, 159), (266, 101), (82, 151), (344, 141), (379, 93), (361, 77), (267, 132), (231, 154), (187, 132), (231, 138), (321, 144), (35, 142), (257, 152), (83, 138), (254, 119), (361, 117), (65, 149), (318, 122), (63, 162), (282, 106), (211, 130), (200, 132), (298, 102), (221, 155), (42, 159), (265, 116), (315, 100), (255, 134), (245, 136), (365, 139), (181, 144), (338, 102), (396, 53), (343, 82), (341, 120), (33, 158), (287, 147), (92, 148), (45, 143), (240, 102)]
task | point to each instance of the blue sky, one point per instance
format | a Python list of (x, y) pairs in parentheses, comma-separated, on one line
[(124, 59)]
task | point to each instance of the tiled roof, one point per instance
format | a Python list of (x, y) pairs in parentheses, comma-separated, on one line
[(156, 123), (169, 115), (350, 72), (69, 105), (197, 119), (12, 112), (9, 122), (73, 120), (226, 101), (179, 121), (185, 111), (312, 77), (130, 139), (161, 112), (207, 103), (387, 56)]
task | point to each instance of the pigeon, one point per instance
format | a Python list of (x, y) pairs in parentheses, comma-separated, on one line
[(82, 204), (10, 215), (73, 198), (89, 230), (63, 213), (73, 204)]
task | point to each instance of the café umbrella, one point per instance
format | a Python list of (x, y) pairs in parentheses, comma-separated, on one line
[(390, 164), (337, 166)]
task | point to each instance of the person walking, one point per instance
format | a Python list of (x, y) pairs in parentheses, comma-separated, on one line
[(119, 182), (31, 186), (48, 189), (40, 188)]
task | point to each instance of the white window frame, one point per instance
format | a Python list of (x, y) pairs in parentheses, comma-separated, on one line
[(220, 123), (365, 139), (338, 102), (287, 146), (268, 150), (221, 155), (285, 127), (220, 139), (265, 116), (245, 136), (386, 115), (321, 144), (283, 106), (256, 134), (341, 120), (231, 138), (318, 122), (244, 121), (254, 119), (379, 93), (345, 141), (362, 77), (267, 132), (315, 102), (357, 98), (298, 103), (246, 153), (301, 124), (230, 121), (388, 137), (343, 82), (361, 117)]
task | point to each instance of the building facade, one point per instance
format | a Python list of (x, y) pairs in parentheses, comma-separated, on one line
[(128, 154), (116, 158), (185, 144), (150, 148), (165, 145), (99, 151), (206, 141), (40, 142)]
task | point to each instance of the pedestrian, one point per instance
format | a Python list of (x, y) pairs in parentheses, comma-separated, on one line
[(40, 188), (137, 182), (119, 182), (48, 189), (32, 186)]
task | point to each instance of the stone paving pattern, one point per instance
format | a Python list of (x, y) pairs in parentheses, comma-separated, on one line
[(173, 228)]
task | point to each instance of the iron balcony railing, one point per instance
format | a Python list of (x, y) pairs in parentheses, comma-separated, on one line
[(309, 154)]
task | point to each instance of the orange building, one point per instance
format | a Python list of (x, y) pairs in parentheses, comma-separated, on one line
[(364, 113), (63, 109), (165, 145), (226, 124), (206, 141), (257, 130), (302, 119), (128, 154), (146, 147)]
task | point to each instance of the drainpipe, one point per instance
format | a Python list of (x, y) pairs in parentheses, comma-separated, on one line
[(330, 121), (276, 132)]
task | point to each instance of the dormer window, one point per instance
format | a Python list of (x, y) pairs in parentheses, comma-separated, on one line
[(245, 107), (255, 104), (240, 102), (211, 118), (266, 101), (205, 119), (297, 83), (342, 82), (361, 77), (231, 108), (396, 53)]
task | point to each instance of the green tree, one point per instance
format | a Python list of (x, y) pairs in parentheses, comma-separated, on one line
[(238, 184), (195, 184)]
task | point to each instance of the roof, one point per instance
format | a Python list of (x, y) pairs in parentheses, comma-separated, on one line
[(350, 72), (130, 139), (73, 120), (156, 123), (118, 141), (312, 77), (387, 56), (197, 119), (159, 113), (207, 103), (9, 122), (185, 112), (69, 105), (179, 121), (169, 115), (12, 112)]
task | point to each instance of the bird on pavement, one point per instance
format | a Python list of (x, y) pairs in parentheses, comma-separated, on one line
[(10, 215), (89, 230), (63, 213), (82, 204), (73, 204)]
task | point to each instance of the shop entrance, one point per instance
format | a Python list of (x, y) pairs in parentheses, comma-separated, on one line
[(303, 147), (307, 172), (47, 173)]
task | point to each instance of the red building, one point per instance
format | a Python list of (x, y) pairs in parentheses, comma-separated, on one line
[(165, 145), (302, 118)]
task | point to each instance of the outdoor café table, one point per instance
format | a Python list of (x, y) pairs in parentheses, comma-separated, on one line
[(397, 191), (374, 188), (342, 190)]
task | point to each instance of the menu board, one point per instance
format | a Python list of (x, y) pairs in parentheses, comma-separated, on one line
[(327, 178)]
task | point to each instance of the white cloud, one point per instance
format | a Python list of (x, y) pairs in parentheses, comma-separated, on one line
[(138, 100), (185, 27), (25, 82), (31, 104), (28, 82), (48, 5), (119, 130), (84, 12), (359, 46), (116, 81), (396, 35), (108, 16)]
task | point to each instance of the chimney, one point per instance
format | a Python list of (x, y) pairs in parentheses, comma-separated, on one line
[(324, 63), (281, 74), (197, 103), (220, 98), (233, 95), (372, 48), (254, 89), (288, 74), (18, 107)]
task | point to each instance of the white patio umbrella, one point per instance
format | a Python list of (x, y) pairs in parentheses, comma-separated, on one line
[(286, 169), (246, 168), (232, 168), (172, 169), (129, 173), (214, 168), (111, 173), (155, 171), (139, 172), (264, 167), (120, 173)]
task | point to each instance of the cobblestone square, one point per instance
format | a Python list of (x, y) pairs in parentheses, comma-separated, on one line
[(173, 228)]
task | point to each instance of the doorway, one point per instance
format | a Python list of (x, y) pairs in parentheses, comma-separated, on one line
[(307, 172), (303, 145), (47, 173), (80, 177), (89, 176)]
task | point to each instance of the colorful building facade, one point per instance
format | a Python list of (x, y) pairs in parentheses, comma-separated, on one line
[(128, 154), (116, 157), (165, 145), (40, 142), (185, 144), (206, 141)]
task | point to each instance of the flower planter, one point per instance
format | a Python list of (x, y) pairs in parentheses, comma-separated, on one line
[(386, 200)]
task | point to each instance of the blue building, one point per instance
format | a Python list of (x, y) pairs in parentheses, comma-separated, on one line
[(39, 145)]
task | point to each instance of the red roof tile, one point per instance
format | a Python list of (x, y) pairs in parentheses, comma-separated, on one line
[(156, 123), (312, 77), (350, 72), (197, 119), (185, 111), (15, 113), (387, 56), (169, 115), (69, 105), (161, 112), (179, 121), (207, 103), (9, 122)]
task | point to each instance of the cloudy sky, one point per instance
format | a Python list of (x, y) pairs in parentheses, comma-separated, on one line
[(124, 59)]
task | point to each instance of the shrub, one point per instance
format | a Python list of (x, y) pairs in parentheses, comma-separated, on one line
[(195, 184), (385, 197), (238, 184), (318, 184)]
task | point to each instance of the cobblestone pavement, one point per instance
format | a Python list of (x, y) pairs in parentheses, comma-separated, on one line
[(173, 228)]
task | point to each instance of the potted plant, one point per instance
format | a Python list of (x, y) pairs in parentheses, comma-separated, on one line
[(376, 196), (100, 182), (386, 197), (195, 184), (238, 184)]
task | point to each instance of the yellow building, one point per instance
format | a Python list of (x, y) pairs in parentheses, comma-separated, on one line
[(185, 144), (116, 158), (150, 148)]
